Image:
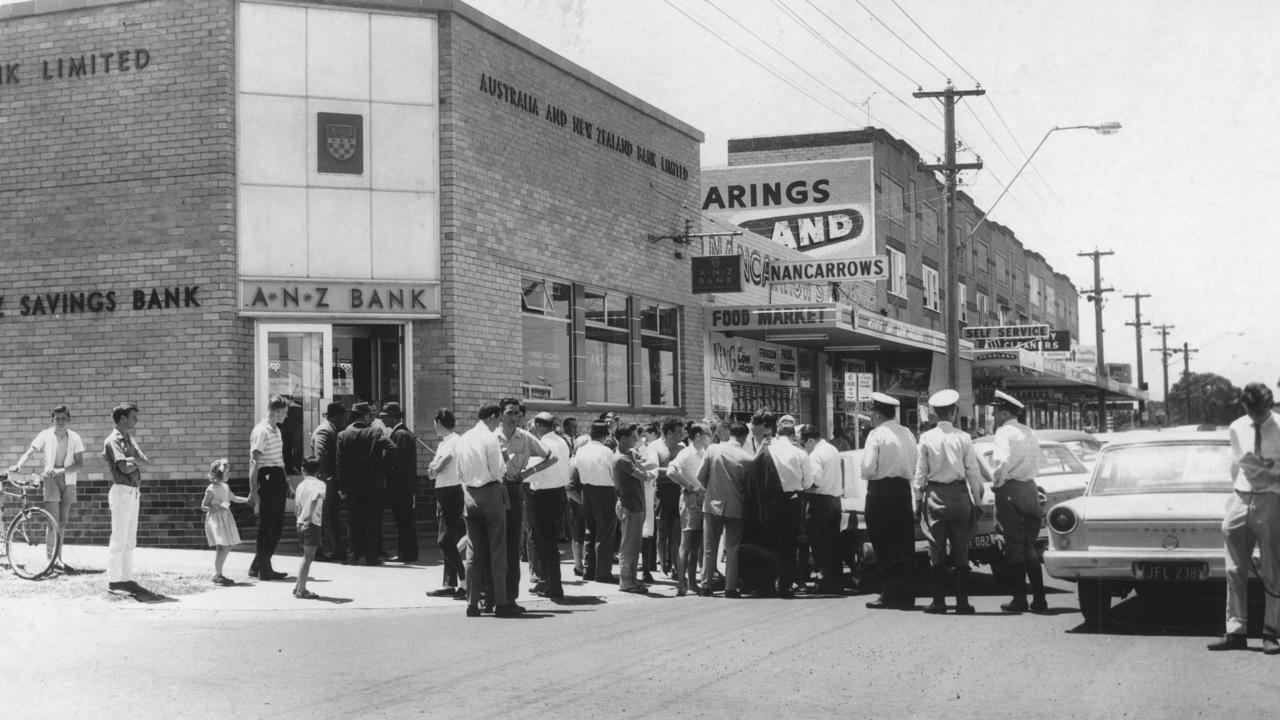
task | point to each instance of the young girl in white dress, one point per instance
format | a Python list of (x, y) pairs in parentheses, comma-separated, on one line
[(219, 525)]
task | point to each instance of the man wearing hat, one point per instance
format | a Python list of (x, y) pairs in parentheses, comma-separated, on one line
[(324, 446), (949, 494), (1014, 466), (364, 454), (888, 463), (402, 477)]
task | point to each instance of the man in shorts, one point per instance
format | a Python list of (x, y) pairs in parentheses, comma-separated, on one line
[(309, 504), (63, 454)]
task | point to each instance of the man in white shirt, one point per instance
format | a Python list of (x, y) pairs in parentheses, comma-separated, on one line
[(791, 464), (592, 469), (824, 484), (1015, 462), (1253, 519), (547, 483), (888, 464), (451, 526), (949, 494), (481, 469), (518, 447), (62, 451), (268, 486)]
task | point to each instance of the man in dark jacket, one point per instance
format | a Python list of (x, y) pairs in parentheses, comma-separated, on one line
[(401, 482), (324, 446), (363, 458)]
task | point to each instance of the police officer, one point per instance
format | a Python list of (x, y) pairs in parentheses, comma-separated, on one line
[(1014, 465), (888, 463), (949, 495)]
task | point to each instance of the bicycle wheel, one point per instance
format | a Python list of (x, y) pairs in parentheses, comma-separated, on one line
[(32, 543)]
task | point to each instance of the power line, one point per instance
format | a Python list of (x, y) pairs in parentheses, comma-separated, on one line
[(935, 42), (928, 62), (867, 47)]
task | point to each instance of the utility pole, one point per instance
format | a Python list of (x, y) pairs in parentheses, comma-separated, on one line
[(1165, 352), (1137, 331), (1186, 376), (1095, 297), (949, 168)]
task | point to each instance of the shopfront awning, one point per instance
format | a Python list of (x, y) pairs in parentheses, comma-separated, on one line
[(827, 327), (1016, 369)]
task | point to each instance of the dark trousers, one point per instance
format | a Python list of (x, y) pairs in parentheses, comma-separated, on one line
[(790, 517), (891, 527), (400, 501), (331, 531), (515, 520), (487, 531), (272, 490), (364, 518), (451, 527), (548, 512), (528, 545), (823, 529), (598, 502), (667, 524)]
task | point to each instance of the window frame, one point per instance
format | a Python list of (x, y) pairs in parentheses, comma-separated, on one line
[(932, 288), (897, 285)]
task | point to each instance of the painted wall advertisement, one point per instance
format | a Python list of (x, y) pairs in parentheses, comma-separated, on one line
[(747, 375)]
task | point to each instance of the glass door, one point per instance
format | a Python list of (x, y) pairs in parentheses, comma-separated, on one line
[(368, 364), (292, 362)]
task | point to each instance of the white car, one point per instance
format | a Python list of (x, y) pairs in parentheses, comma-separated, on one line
[(1150, 518)]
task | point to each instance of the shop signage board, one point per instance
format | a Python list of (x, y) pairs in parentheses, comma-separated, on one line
[(716, 274), (774, 317), (830, 270), (332, 298), (857, 387), (1058, 341), (745, 360), (1008, 332)]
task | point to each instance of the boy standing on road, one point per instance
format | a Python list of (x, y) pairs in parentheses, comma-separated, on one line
[(309, 503)]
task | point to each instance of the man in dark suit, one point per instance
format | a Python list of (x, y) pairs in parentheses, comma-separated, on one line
[(364, 454), (324, 446), (402, 479)]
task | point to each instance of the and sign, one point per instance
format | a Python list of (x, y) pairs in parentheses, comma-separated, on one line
[(774, 317), (337, 297), (830, 270), (1006, 332), (717, 274)]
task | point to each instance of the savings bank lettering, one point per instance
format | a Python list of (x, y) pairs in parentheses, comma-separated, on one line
[(103, 301)]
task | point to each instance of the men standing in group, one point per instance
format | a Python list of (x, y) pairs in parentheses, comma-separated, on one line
[(667, 505), (324, 446), (726, 470), (888, 464), (548, 501), (481, 469), (402, 480), (364, 455), (123, 455), (1253, 519), (824, 486), (518, 447), (451, 524), (791, 463), (62, 451), (1015, 462), (592, 470), (949, 494), (268, 486)]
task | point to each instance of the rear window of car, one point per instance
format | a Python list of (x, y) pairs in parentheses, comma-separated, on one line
[(1058, 460), (1163, 468)]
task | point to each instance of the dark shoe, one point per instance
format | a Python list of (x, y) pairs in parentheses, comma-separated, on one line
[(253, 572), (508, 610), (578, 571), (120, 586), (553, 593), (460, 594), (1269, 645), (705, 592), (934, 608), (637, 589), (733, 594), (1016, 605), (608, 579), (1230, 641), (646, 576), (538, 588), (965, 609), (473, 611), (1039, 607), (681, 592), (442, 592), (272, 575), (486, 609), (786, 595)]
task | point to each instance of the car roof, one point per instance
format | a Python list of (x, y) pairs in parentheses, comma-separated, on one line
[(1067, 436), (1176, 435)]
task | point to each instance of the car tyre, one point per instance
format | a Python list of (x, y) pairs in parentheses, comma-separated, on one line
[(1095, 601)]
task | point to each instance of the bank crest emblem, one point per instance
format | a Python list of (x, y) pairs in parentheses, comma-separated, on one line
[(340, 140)]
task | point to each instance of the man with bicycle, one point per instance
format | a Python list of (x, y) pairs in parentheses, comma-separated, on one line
[(63, 454)]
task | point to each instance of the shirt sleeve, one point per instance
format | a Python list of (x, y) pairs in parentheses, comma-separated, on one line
[(206, 503), (922, 470), (871, 456), (972, 473), (257, 439), (1001, 455), (444, 453), (75, 443), (493, 455)]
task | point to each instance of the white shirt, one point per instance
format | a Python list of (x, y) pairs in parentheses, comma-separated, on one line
[(791, 461), (47, 444), (1017, 454), (1241, 434), (265, 439), (444, 466), (890, 452), (825, 476), (557, 474), (686, 464), (946, 455), (594, 463), (479, 457), (308, 501)]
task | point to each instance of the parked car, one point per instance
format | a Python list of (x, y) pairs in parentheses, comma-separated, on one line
[(1150, 519), (1062, 476), (1084, 445)]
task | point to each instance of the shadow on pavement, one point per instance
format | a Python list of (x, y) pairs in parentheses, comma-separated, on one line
[(579, 600), (1177, 616)]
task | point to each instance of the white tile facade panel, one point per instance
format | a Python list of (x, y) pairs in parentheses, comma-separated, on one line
[(275, 37), (400, 48), (273, 231), (338, 234), (404, 143), (273, 140), (406, 238), (338, 54)]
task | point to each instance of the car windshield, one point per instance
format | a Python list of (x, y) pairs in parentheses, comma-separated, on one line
[(1058, 460), (1082, 449), (1163, 468)]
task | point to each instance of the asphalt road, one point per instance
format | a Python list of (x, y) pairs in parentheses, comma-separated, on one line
[(635, 657)]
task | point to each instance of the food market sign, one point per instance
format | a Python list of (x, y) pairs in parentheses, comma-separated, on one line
[(774, 317)]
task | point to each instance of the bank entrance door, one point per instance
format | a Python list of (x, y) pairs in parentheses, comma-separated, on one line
[(368, 364)]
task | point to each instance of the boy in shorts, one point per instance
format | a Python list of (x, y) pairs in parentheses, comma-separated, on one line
[(308, 498)]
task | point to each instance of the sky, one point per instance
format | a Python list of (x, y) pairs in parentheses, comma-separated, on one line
[(1181, 195)]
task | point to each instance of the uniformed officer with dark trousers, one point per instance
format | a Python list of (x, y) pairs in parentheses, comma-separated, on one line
[(1014, 466), (888, 463), (949, 494)]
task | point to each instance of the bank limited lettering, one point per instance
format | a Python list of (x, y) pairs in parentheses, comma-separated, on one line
[(83, 66), (102, 301)]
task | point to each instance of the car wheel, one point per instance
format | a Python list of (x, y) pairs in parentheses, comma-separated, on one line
[(1095, 601)]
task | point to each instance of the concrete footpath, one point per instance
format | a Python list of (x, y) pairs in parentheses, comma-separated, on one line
[(341, 587)]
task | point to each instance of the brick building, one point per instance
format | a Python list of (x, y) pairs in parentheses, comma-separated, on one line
[(213, 201)]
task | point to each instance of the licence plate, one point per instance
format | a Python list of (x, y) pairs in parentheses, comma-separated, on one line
[(983, 541), (1171, 572)]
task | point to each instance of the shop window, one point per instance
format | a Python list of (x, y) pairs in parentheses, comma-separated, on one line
[(606, 347), (546, 326), (1035, 289), (893, 206), (930, 288), (659, 353), (897, 272), (982, 308), (1002, 269)]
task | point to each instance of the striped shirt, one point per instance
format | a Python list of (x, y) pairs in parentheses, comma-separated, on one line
[(265, 439)]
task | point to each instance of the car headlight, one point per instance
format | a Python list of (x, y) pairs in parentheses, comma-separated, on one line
[(1062, 520)]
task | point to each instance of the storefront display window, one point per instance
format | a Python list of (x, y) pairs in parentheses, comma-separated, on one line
[(546, 325), (606, 350), (659, 348)]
